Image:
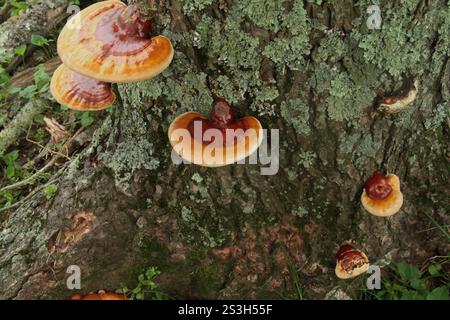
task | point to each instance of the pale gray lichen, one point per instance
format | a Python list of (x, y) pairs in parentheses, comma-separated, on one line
[(190, 6), (236, 49), (296, 112), (263, 13), (263, 102), (307, 159), (199, 233), (134, 151), (290, 50)]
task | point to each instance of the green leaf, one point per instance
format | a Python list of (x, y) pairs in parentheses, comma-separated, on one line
[(434, 269), (21, 50), (440, 293), (411, 295), (28, 92), (9, 196), (15, 90), (137, 290), (41, 79), (10, 171), (86, 119), (18, 6), (50, 191), (408, 272), (38, 40), (10, 161), (140, 296), (5, 79), (419, 285), (123, 290), (12, 156)]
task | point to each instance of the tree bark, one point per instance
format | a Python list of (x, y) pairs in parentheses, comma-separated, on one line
[(313, 71)]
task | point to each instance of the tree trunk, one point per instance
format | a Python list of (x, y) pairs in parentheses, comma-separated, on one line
[(311, 69)]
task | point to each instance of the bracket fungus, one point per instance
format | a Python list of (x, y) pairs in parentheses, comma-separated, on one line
[(398, 101), (350, 262), (101, 295), (80, 93), (382, 196), (109, 41), (216, 141)]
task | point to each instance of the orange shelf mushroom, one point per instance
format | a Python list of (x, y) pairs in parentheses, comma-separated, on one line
[(111, 43), (80, 93), (216, 141), (382, 196), (350, 262), (101, 295)]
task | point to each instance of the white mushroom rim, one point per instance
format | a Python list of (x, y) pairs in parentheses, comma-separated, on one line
[(211, 147)]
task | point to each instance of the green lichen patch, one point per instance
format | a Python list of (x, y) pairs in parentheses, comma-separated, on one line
[(190, 6), (227, 43), (296, 112), (200, 229), (289, 50), (263, 13)]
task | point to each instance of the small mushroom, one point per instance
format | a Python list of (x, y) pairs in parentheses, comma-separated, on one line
[(400, 100), (216, 141), (350, 262), (112, 44), (78, 92), (382, 196), (101, 295)]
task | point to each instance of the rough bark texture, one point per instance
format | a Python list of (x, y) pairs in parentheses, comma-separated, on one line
[(38, 20), (309, 68)]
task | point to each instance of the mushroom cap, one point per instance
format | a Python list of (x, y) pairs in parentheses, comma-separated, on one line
[(80, 93), (101, 295), (348, 252), (197, 152), (388, 206), (102, 48), (341, 274)]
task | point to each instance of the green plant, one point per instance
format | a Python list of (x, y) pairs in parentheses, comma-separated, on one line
[(20, 50), (86, 119), (12, 167), (18, 6), (12, 172), (439, 226), (294, 275), (39, 41), (5, 78), (50, 191), (146, 287), (41, 84), (409, 283)]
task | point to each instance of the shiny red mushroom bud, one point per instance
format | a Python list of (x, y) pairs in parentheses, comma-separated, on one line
[(221, 115), (350, 262), (377, 187), (132, 24), (388, 100), (382, 196)]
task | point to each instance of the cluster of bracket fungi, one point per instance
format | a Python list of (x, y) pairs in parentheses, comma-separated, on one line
[(110, 43), (382, 198)]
